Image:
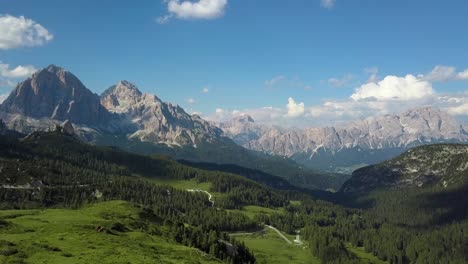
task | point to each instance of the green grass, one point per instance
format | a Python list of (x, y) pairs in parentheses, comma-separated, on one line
[(296, 203), (268, 247), (252, 210), (365, 257), (184, 184), (70, 236)]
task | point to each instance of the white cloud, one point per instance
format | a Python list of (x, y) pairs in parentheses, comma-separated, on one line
[(190, 101), (341, 82), (373, 74), (201, 9), (9, 77), (260, 115), (394, 88), (164, 19), (281, 81), (16, 32), (205, 90), (274, 81), (459, 110), (392, 94), (18, 72), (329, 4), (294, 109), (441, 73), (463, 75)]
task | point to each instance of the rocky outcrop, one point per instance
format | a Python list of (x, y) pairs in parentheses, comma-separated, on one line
[(68, 127)]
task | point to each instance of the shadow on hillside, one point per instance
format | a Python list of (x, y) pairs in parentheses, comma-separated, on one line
[(447, 206)]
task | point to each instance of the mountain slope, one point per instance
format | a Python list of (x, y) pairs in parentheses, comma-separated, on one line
[(365, 141), (56, 94), (442, 165), (155, 120)]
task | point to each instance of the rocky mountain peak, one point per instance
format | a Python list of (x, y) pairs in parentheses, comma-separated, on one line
[(123, 88), (56, 94), (125, 97), (244, 119), (53, 68)]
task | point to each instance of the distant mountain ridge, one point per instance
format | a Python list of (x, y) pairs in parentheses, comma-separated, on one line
[(363, 141)]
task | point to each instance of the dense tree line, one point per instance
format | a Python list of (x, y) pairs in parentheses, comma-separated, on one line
[(35, 177), (427, 225)]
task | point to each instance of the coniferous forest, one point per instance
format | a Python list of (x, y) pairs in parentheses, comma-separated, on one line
[(57, 170)]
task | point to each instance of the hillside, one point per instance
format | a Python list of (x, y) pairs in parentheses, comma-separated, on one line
[(442, 165), (113, 232), (36, 174)]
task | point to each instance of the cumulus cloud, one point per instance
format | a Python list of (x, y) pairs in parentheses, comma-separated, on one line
[(10, 76), (394, 88), (294, 109), (18, 72), (205, 90), (268, 114), (459, 110), (329, 4), (463, 75), (441, 73), (341, 82), (16, 32), (192, 10), (190, 100), (392, 94)]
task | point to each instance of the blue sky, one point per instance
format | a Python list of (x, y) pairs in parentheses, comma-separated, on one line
[(260, 57)]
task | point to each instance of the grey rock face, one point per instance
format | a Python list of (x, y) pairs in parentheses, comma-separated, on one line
[(155, 120), (55, 93), (3, 128), (413, 127), (68, 127)]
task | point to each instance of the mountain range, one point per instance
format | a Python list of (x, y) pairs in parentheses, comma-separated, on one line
[(125, 117), (341, 148)]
